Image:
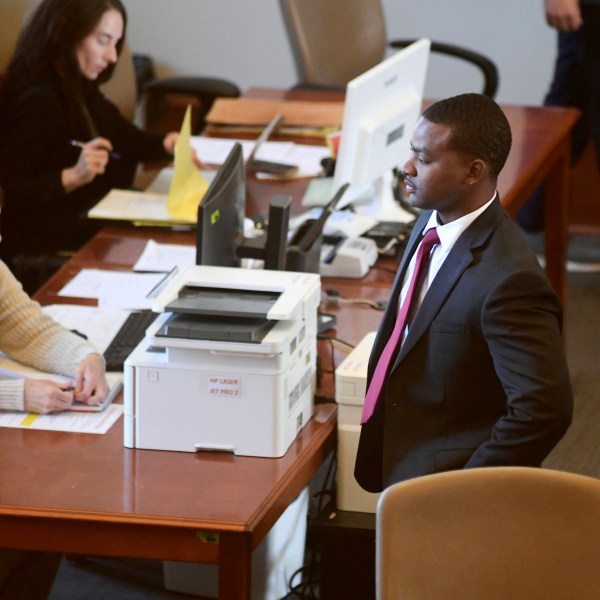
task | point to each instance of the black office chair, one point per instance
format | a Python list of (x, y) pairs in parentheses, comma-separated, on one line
[(134, 81), (333, 43)]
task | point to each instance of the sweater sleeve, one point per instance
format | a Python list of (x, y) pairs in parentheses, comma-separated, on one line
[(12, 394), (33, 338)]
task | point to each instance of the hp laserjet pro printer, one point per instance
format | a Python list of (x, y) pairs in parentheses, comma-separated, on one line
[(230, 364)]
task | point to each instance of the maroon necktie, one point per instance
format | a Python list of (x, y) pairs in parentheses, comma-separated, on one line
[(427, 243)]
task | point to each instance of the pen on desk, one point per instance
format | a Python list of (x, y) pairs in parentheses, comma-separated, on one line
[(160, 286), (81, 335), (78, 144)]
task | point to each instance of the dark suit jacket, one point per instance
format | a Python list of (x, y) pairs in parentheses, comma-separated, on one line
[(481, 378)]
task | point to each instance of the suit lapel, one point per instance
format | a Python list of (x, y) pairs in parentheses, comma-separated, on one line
[(442, 285), (391, 311), (411, 247), (448, 277)]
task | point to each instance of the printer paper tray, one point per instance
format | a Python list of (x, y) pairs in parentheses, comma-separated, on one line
[(274, 342), (215, 328)]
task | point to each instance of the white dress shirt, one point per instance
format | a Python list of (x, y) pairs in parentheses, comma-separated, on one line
[(448, 234)]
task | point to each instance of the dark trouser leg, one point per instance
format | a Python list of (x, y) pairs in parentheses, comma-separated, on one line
[(576, 83), (591, 68)]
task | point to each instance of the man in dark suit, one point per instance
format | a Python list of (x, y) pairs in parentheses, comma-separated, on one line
[(479, 377)]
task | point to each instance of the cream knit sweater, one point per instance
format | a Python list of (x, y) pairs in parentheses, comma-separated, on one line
[(32, 338)]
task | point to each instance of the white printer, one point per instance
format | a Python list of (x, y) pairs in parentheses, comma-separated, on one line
[(230, 364), (350, 391)]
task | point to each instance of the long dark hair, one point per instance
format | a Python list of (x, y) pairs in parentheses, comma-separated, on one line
[(46, 46)]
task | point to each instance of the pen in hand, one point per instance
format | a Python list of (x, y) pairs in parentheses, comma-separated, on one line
[(79, 144)]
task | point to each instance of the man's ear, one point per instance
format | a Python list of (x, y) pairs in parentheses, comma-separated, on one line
[(477, 170)]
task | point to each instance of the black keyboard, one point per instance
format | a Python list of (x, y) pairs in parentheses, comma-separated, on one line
[(128, 337)]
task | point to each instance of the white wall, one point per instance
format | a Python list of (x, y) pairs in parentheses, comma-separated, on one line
[(245, 40)]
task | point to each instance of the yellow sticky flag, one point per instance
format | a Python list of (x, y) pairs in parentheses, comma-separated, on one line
[(188, 185)]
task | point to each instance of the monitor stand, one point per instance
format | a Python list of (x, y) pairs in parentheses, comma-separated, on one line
[(383, 206)]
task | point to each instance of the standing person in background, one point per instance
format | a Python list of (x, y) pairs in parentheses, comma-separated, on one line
[(576, 82), (63, 145)]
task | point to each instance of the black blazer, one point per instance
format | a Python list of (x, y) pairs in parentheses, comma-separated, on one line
[(481, 378), (39, 216)]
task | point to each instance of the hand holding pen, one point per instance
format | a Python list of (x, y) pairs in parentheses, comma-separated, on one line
[(82, 145), (92, 161)]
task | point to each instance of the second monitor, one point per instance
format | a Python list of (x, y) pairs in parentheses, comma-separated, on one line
[(220, 239)]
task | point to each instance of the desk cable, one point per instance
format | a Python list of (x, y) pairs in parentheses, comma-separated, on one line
[(385, 269), (333, 297), (334, 344), (307, 588)]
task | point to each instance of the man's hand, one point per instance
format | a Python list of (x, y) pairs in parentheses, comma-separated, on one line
[(563, 15)]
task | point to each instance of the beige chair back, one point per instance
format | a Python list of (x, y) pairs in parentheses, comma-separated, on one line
[(13, 15), (335, 41), (121, 87), (505, 533)]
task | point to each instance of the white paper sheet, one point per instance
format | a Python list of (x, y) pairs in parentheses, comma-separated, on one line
[(113, 289), (99, 325), (131, 205), (161, 258), (75, 422), (306, 157)]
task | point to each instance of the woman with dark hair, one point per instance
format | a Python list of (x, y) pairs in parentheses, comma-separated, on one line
[(63, 145)]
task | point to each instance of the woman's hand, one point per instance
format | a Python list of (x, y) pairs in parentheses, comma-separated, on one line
[(44, 396), (92, 161), (170, 141), (90, 386), (90, 383)]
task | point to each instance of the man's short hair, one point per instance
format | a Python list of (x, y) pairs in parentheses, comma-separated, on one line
[(478, 127)]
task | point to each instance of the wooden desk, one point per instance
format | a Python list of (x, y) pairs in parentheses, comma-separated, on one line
[(88, 494), (540, 154), (118, 248)]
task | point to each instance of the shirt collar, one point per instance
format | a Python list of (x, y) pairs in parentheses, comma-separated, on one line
[(450, 232)]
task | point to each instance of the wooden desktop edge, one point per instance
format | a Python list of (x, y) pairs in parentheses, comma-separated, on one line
[(107, 533)]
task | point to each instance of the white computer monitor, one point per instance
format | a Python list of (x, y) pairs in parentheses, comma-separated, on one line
[(382, 106)]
